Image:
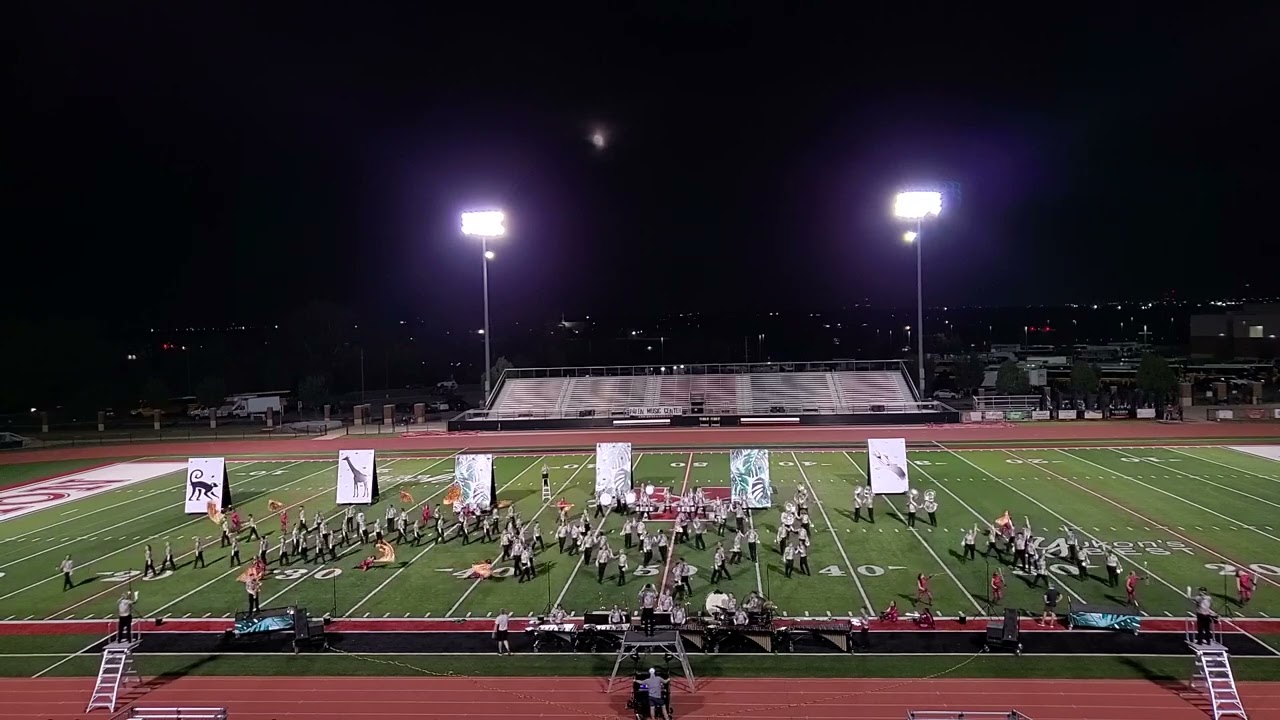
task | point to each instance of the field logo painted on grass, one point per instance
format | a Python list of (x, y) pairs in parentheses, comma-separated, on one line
[(887, 458), (206, 486), (613, 469), (357, 477), (19, 501), (749, 478)]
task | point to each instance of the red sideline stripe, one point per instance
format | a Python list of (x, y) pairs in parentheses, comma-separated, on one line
[(91, 627)]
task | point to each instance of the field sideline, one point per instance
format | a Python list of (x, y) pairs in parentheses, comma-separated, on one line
[(1182, 516)]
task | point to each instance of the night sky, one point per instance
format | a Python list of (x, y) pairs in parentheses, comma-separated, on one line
[(246, 157)]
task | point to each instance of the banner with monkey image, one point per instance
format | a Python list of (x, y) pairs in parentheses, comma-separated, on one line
[(206, 486)]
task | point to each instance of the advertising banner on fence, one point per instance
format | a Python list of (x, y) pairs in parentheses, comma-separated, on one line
[(206, 485), (888, 461), (655, 411), (357, 477), (993, 415), (613, 469), (1092, 415), (473, 474), (1146, 413), (1068, 415), (1226, 415), (1040, 414), (749, 478)]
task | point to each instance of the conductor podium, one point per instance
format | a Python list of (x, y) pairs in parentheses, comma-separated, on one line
[(638, 644)]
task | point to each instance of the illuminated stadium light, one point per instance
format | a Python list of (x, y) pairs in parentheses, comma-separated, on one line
[(917, 205), (910, 235), (484, 224)]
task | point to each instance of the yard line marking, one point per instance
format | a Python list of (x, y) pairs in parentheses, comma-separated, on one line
[(75, 540), (671, 549), (192, 552), (827, 519), (1138, 515), (1066, 522), (1197, 477), (578, 565), (944, 566), (1179, 497), (150, 537), (109, 507), (425, 550), (1221, 464), (81, 651)]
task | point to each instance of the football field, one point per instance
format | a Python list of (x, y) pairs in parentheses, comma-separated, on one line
[(1183, 517)]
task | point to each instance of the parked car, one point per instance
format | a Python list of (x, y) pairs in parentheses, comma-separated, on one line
[(945, 395)]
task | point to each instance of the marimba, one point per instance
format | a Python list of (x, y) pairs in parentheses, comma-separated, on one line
[(566, 633), (835, 632)]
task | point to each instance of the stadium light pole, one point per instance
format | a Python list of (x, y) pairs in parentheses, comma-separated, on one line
[(485, 224), (918, 206)]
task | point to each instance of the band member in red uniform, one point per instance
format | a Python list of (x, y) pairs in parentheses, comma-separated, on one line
[(922, 589), (1131, 588), (235, 521), (997, 586), (1244, 585), (367, 563), (284, 521)]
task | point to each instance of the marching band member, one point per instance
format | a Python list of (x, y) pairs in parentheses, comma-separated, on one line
[(1244, 586), (788, 559), (1041, 568), (303, 545), (753, 538), (782, 537), (648, 605), (489, 527), (722, 517), (805, 523), (1082, 566), (740, 618), (922, 589), (505, 542), (262, 551), (302, 515), (252, 588), (679, 616), (148, 563), (617, 616), (283, 551), (665, 601), (348, 519), (225, 527), (362, 527), (168, 558), (698, 530), (235, 552), (602, 563), (402, 527), (1113, 568), (997, 586), (417, 531), (646, 546), (970, 540), (641, 529), (590, 541), (317, 522), (67, 567), (199, 551), (295, 541), (802, 536), (681, 533), (736, 550), (628, 533), (284, 521), (575, 535), (1131, 588), (683, 573), (252, 525), (802, 552), (740, 516), (869, 498), (720, 567), (931, 507), (858, 501), (562, 533), (622, 568), (535, 540), (662, 545), (528, 568), (1073, 546), (993, 543), (1020, 549), (912, 506), (326, 547)]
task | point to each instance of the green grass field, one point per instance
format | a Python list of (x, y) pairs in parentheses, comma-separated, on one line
[(1182, 516)]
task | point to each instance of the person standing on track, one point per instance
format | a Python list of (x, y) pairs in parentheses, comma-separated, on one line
[(654, 686), (1050, 615), (500, 624), (67, 567)]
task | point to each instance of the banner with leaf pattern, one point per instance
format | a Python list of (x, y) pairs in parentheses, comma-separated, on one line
[(749, 477)]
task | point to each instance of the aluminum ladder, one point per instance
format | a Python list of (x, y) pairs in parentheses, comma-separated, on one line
[(116, 671), (1214, 678)]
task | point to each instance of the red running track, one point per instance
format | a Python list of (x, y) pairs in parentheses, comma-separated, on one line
[(342, 698), (683, 438)]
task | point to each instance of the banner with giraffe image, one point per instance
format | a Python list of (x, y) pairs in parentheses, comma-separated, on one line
[(357, 477), (206, 486)]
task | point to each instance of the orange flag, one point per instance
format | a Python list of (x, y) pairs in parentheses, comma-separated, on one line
[(405, 497), (214, 513), (386, 552), (275, 505), (453, 495)]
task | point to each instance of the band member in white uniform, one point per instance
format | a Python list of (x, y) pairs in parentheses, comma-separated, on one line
[(869, 500), (931, 507), (858, 501), (168, 558), (970, 543), (753, 538), (912, 506), (622, 568)]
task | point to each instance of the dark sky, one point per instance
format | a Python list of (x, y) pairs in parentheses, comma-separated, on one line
[(170, 163)]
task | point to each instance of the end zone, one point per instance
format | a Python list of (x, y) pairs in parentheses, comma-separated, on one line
[(45, 494)]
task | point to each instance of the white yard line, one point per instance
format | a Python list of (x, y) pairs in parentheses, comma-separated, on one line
[(80, 518), (671, 548), (1197, 477), (79, 652), (866, 601), (1222, 464), (1153, 523), (1117, 473), (1066, 522), (944, 566), (751, 521), (425, 550), (476, 583), (162, 534)]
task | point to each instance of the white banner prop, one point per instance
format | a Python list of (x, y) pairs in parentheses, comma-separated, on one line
[(474, 476), (206, 483), (613, 469), (888, 460), (356, 483)]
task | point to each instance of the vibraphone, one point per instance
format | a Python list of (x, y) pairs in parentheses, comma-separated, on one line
[(575, 637), (602, 636), (835, 632), (708, 636), (566, 633)]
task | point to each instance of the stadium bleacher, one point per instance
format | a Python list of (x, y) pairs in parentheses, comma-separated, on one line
[(831, 388)]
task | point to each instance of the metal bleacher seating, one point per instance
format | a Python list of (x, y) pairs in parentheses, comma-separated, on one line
[(816, 388)]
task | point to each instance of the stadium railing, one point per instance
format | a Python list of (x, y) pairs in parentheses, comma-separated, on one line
[(177, 713), (964, 715)]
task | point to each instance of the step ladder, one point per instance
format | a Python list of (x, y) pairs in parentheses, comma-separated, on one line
[(1213, 677), (546, 490), (116, 671)]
